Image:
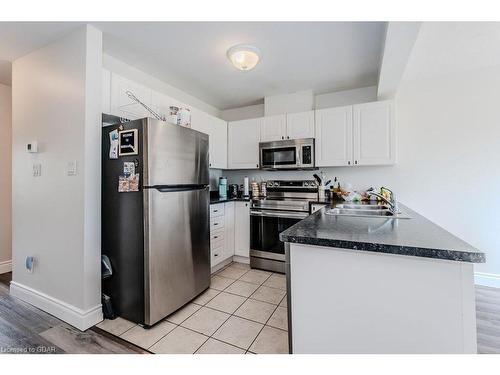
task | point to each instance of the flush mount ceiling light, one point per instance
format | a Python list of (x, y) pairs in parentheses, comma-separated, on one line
[(243, 56)]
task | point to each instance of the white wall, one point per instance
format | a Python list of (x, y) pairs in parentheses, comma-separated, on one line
[(346, 97), (300, 101), (56, 95), (448, 137), (5, 178), (243, 113), (136, 75), (328, 100)]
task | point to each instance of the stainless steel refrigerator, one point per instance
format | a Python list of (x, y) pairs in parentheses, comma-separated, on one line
[(155, 217)]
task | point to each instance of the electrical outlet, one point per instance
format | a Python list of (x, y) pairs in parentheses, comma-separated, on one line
[(30, 264), (37, 169)]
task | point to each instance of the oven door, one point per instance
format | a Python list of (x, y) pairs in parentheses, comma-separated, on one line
[(279, 157), (265, 227)]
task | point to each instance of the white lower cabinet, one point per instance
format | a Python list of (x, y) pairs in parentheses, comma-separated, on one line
[(229, 229), (242, 229), (221, 232)]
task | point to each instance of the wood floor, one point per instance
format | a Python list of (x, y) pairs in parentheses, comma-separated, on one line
[(26, 329)]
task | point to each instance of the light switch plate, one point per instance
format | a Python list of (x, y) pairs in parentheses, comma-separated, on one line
[(37, 169), (71, 169)]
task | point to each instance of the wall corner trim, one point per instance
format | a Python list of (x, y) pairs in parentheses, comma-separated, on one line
[(5, 266), (487, 279), (81, 319)]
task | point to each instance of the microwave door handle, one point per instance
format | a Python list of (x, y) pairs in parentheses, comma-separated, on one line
[(299, 161)]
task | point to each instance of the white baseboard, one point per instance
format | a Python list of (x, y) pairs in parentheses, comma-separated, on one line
[(81, 319), (5, 266), (240, 259), (487, 279)]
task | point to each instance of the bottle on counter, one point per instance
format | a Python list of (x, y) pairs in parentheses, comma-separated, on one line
[(223, 187), (246, 192)]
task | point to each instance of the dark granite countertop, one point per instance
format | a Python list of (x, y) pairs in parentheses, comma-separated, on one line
[(417, 236), (215, 200)]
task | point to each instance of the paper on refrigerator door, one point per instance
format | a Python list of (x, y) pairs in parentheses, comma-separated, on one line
[(113, 143)]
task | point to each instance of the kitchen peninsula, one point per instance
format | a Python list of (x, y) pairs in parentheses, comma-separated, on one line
[(379, 285)]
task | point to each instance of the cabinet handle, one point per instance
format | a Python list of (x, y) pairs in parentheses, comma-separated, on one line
[(216, 224), (216, 237), (349, 162), (216, 210), (355, 162), (210, 164), (282, 137), (257, 165), (288, 137), (216, 255)]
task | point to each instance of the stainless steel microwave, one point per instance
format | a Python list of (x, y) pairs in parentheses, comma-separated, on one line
[(289, 154)]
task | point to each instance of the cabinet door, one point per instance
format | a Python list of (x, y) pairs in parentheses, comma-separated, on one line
[(242, 229), (229, 229), (300, 125), (243, 144), (334, 137), (121, 104), (374, 133), (273, 128), (218, 143)]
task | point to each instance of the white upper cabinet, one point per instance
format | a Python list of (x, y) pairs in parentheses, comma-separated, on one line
[(243, 144), (217, 132), (273, 128), (300, 125), (334, 137), (218, 143), (374, 133), (363, 134), (121, 104)]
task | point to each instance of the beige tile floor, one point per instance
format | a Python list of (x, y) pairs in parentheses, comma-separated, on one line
[(244, 311)]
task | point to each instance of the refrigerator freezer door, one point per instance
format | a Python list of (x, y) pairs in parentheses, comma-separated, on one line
[(175, 155), (177, 249)]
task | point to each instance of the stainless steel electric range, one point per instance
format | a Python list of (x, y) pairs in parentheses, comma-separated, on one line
[(286, 204)]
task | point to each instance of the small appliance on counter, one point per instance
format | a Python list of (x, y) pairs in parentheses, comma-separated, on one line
[(223, 187), (233, 191)]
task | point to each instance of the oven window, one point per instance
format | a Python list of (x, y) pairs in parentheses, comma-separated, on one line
[(264, 233), (279, 156)]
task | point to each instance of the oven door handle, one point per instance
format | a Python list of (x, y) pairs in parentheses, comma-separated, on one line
[(283, 214)]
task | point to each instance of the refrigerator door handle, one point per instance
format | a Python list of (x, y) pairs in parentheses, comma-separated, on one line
[(175, 188)]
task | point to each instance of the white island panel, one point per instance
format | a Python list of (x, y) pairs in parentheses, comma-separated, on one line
[(345, 301)]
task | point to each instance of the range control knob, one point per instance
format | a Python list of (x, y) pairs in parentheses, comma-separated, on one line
[(276, 184), (306, 183), (269, 184)]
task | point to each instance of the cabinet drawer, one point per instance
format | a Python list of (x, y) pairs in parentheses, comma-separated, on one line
[(216, 236), (216, 223), (216, 256), (217, 210)]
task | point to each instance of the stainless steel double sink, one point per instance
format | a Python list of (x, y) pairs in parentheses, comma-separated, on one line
[(366, 210)]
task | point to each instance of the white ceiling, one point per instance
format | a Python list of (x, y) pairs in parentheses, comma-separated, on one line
[(322, 56)]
